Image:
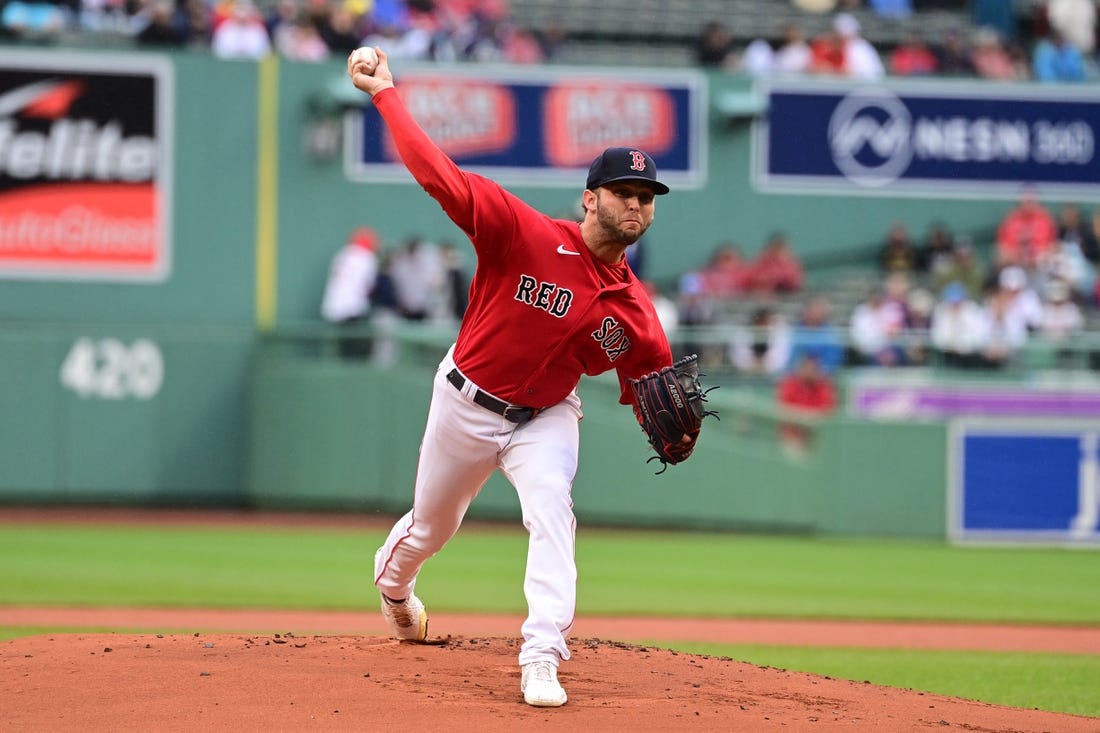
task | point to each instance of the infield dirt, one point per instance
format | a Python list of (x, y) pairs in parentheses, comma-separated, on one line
[(263, 670)]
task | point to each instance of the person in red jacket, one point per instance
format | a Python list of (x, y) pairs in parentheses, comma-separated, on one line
[(805, 391), (1027, 234), (776, 269), (550, 300)]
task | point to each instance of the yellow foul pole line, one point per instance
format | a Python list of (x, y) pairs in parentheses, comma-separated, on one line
[(267, 193)]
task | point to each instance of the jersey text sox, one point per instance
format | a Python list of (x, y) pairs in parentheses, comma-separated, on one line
[(612, 338), (547, 296)]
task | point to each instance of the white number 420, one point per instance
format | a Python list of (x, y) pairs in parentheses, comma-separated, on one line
[(109, 369)]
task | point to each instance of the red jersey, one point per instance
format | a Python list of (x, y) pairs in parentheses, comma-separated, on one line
[(543, 310), (817, 395)]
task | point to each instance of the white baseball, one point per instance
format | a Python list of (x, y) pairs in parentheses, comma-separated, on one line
[(364, 60)]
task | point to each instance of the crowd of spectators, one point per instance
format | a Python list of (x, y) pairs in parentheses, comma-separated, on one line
[(302, 30), (935, 300), (1055, 43)]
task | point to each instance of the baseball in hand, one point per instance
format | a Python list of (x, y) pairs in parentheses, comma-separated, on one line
[(364, 60)]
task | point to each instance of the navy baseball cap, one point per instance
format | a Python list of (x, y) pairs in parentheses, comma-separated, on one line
[(624, 164)]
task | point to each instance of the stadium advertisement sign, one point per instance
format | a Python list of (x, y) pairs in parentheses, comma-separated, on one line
[(541, 128), (85, 154), (1024, 481), (913, 138)]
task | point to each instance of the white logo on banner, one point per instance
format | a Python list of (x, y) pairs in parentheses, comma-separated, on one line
[(870, 137)]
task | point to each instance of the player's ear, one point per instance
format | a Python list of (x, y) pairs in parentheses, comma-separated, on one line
[(588, 200)]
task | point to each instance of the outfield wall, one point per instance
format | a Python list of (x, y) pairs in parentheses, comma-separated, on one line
[(154, 388), (344, 435)]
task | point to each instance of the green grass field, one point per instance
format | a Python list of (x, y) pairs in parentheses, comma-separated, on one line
[(621, 572)]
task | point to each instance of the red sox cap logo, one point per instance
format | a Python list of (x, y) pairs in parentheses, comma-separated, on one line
[(638, 161)]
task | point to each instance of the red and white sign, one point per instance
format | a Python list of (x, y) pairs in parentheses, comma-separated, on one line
[(85, 157), (584, 118), (468, 119)]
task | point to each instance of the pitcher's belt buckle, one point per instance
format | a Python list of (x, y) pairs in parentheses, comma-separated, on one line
[(512, 413)]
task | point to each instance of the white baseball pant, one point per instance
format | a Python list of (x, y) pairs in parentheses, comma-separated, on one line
[(463, 444)]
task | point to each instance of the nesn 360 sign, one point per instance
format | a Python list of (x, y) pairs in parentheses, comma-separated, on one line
[(911, 138)]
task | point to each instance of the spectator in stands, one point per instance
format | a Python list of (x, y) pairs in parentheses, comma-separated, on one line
[(726, 275), (775, 269), (861, 59), (339, 29), (1006, 333), (965, 268), (1027, 233), (842, 51), (351, 278), (413, 42), (1062, 319), (993, 60), (668, 313), (200, 23), (1076, 228), (954, 55), (913, 57), (876, 330), (919, 305), (959, 328), (938, 250), (279, 19), (714, 47), (552, 37), (1056, 60), (763, 347), (898, 286), (1077, 254), (815, 334), (1075, 20), (1022, 303), (898, 253), (520, 45), (163, 25), (998, 15), (696, 309), (806, 391), (758, 58), (419, 277), (384, 313), (827, 54), (455, 296), (793, 55), (301, 41), (112, 16), (394, 14), (242, 34), (36, 19)]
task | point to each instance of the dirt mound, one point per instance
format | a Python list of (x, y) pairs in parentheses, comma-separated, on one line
[(240, 682)]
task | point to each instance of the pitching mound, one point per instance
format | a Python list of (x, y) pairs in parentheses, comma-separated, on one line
[(218, 682)]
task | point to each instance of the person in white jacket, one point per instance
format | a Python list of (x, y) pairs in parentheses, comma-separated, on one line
[(352, 275), (861, 59), (959, 329)]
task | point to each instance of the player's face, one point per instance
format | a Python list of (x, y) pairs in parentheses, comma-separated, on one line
[(624, 210)]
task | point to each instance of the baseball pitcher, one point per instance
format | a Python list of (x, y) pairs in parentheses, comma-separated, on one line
[(550, 300)]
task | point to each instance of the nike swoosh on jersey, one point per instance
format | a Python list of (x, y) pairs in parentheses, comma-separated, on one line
[(563, 251)]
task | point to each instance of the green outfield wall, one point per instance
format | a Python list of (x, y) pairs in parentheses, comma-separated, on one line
[(326, 432), (164, 391)]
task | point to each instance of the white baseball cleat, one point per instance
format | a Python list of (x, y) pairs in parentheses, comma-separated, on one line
[(540, 687), (407, 619)]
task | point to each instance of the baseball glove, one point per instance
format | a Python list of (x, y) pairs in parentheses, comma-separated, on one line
[(670, 406)]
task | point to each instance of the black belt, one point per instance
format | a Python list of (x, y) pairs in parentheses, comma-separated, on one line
[(512, 413)]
